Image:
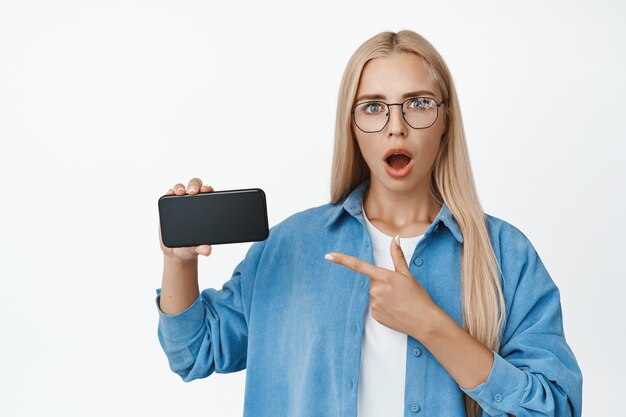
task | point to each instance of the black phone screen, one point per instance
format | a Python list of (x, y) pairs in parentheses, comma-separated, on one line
[(217, 217)]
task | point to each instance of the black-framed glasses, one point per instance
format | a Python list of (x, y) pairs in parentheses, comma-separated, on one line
[(418, 112)]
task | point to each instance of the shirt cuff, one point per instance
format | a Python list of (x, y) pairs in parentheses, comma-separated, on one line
[(183, 325), (503, 390)]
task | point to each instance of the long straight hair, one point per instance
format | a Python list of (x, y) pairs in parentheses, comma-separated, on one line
[(451, 181)]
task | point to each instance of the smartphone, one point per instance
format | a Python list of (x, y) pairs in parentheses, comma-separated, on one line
[(213, 218)]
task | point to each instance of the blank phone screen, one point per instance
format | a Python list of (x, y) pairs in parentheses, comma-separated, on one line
[(217, 217)]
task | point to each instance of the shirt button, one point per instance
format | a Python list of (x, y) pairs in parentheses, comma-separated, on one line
[(363, 283), (415, 408), (356, 329), (352, 384), (419, 261), (498, 398), (417, 351)]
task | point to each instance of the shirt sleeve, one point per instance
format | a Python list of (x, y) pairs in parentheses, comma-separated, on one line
[(535, 372), (211, 335)]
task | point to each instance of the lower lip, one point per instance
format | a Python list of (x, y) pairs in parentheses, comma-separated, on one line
[(399, 173)]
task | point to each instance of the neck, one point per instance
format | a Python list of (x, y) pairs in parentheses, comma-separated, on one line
[(403, 211)]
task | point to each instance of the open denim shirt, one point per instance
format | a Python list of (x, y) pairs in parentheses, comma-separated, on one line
[(295, 322)]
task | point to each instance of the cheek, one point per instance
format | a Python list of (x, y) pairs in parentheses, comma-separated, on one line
[(433, 149), (368, 148), (426, 151)]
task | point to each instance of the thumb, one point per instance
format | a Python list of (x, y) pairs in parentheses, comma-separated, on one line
[(399, 262)]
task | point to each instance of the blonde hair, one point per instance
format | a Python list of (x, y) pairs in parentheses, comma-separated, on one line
[(451, 182)]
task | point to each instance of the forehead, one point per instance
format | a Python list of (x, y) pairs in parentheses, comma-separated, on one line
[(395, 75)]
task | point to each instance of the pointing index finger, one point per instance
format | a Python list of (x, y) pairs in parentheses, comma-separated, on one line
[(356, 264)]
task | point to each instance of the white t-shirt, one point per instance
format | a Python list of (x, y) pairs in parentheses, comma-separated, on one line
[(383, 354)]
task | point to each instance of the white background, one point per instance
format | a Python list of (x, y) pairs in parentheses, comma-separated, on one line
[(105, 105)]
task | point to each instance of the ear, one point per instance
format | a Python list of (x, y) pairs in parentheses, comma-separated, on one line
[(447, 128)]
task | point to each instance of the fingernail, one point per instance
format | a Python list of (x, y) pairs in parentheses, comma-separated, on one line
[(397, 238), (192, 189), (329, 257)]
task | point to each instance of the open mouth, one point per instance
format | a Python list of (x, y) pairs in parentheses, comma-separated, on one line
[(398, 161)]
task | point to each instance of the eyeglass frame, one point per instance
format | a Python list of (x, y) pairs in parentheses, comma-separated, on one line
[(443, 101)]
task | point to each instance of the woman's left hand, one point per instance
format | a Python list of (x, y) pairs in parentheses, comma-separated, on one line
[(398, 300)]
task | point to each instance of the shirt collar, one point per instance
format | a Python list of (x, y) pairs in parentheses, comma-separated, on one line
[(352, 204)]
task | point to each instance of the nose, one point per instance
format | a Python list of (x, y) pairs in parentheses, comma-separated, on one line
[(396, 125)]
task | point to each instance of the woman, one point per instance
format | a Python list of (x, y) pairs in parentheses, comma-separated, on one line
[(457, 317)]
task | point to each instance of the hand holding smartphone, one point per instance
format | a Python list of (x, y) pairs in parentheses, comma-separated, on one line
[(192, 220)]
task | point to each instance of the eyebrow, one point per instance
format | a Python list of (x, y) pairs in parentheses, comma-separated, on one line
[(382, 97)]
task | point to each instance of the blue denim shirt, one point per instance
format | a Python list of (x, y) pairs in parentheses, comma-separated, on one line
[(295, 321)]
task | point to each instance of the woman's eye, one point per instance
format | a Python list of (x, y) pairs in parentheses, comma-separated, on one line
[(373, 107), (420, 103)]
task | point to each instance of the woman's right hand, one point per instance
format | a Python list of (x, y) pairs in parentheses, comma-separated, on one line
[(188, 253)]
